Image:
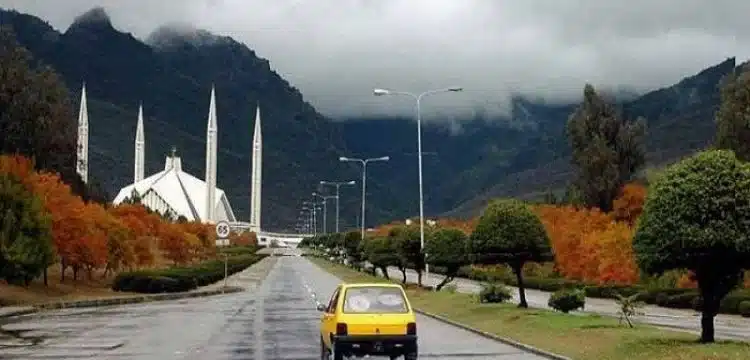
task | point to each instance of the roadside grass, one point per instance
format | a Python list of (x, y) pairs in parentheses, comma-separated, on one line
[(578, 336), (81, 289)]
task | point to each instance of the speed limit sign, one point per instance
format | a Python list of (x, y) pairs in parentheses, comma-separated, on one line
[(222, 229)]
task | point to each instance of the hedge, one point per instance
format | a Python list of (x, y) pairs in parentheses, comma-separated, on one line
[(179, 279), (675, 298), (240, 250)]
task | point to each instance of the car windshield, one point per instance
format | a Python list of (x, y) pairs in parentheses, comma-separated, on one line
[(374, 299)]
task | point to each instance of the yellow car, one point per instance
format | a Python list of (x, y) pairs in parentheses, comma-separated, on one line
[(368, 319)]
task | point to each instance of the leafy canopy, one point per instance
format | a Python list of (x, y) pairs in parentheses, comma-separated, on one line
[(732, 132), (447, 248), (697, 215), (26, 247), (607, 150), (509, 232)]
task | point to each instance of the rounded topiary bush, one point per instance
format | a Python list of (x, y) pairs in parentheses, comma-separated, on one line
[(744, 308), (697, 217), (567, 300)]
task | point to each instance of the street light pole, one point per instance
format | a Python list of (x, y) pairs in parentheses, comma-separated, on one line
[(418, 98), (337, 185), (325, 210), (364, 181), (313, 210)]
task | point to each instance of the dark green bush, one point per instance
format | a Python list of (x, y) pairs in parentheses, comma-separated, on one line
[(567, 300), (744, 308), (494, 293), (240, 250), (179, 279)]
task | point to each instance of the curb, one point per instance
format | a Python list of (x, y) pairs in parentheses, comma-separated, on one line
[(134, 299), (137, 299), (123, 300), (494, 337)]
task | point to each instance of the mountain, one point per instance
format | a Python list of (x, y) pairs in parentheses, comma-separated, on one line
[(524, 154), (173, 82), (680, 121)]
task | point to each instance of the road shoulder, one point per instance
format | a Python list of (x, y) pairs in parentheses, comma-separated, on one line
[(244, 280)]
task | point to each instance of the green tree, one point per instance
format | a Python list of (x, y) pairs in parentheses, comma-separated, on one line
[(36, 117), (733, 115), (446, 248), (508, 232), (351, 244), (409, 250), (607, 150), (26, 248), (697, 216), (381, 253)]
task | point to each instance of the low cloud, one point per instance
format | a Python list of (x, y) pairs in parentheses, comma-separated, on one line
[(337, 51)]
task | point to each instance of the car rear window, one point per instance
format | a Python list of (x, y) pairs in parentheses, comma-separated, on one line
[(364, 300)]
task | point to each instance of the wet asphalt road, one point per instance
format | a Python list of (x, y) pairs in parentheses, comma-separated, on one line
[(277, 321)]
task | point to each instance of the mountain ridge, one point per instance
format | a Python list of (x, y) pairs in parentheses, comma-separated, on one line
[(171, 71)]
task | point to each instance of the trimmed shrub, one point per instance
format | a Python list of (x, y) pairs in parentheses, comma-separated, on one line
[(744, 308), (494, 293), (240, 250), (567, 300), (179, 279)]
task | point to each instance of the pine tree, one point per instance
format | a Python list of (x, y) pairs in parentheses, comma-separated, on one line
[(733, 116), (607, 150)]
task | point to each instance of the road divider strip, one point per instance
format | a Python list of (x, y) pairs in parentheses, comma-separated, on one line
[(263, 267), (504, 340), (120, 300)]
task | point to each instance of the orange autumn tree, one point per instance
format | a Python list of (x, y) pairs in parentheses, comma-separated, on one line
[(613, 260), (576, 237), (144, 231), (629, 205), (174, 245), (70, 228), (205, 235), (17, 165), (246, 238), (91, 251)]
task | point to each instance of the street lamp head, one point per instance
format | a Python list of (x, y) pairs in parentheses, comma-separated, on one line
[(351, 182), (456, 89), (380, 92), (343, 158), (384, 158)]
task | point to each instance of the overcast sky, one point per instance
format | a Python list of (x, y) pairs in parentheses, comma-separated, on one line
[(336, 51)]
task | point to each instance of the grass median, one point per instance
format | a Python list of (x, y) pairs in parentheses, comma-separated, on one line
[(584, 336)]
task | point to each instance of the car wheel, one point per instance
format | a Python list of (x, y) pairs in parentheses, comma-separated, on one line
[(337, 355), (412, 353), (324, 353)]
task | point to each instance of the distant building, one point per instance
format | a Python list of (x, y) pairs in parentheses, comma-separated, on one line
[(427, 221), (174, 191), (177, 192)]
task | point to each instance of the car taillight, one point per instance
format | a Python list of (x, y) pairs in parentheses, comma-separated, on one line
[(341, 329), (411, 328)]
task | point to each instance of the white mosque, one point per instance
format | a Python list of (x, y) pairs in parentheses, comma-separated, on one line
[(174, 191)]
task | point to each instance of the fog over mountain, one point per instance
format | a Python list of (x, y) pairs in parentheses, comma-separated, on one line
[(337, 51)]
